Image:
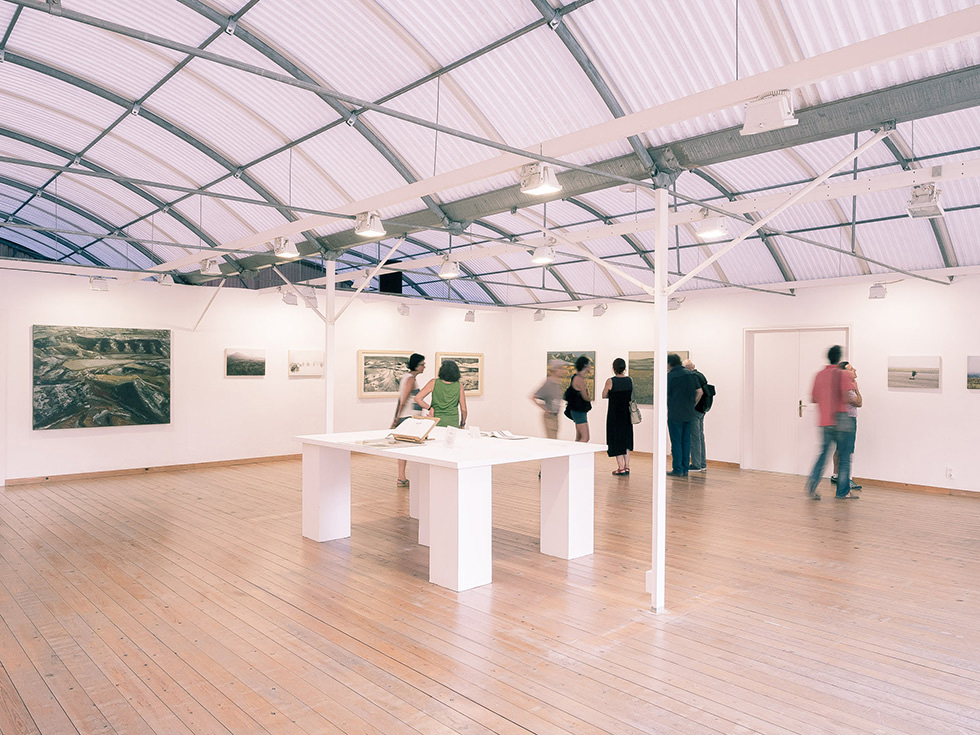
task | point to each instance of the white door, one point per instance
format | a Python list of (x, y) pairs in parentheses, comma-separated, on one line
[(782, 434)]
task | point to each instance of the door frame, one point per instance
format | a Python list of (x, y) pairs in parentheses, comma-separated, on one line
[(748, 375)]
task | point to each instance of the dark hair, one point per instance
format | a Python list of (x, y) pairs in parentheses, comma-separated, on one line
[(581, 362), (619, 365), (833, 355), (673, 359), (449, 371), (414, 360), (843, 364)]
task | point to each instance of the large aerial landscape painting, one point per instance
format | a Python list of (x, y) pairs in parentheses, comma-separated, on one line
[(100, 376), (378, 373)]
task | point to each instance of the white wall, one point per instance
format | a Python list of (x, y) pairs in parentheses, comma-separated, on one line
[(903, 437)]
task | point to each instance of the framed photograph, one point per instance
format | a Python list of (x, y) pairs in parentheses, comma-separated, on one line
[(244, 363), (915, 373), (100, 376), (378, 373), (639, 366), (973, 373), (305, 364), (569, 359), (470, 369)]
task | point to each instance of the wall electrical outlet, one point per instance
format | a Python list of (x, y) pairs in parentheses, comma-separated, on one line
[(949, 473)]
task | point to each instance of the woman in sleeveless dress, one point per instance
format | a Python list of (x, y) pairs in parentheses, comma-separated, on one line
[(618, 390), (447, 399), (407, 406)]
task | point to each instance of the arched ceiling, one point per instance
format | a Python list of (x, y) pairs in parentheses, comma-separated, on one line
[(140, 138)]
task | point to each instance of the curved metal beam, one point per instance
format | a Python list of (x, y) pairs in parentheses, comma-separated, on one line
[(64, 243)]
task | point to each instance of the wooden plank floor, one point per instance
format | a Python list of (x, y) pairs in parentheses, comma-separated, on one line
[(188, 602)]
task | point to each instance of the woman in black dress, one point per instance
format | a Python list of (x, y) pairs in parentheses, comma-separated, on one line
[(619, 428)]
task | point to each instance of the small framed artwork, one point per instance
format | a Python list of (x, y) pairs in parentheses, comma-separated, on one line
[(305, 364), (973, 373), (470, 369), (640, 369), (915, 373), (379, 372), (244, 363)]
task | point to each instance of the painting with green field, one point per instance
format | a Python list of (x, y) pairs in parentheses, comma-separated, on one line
[(973, 373), (640, 369)]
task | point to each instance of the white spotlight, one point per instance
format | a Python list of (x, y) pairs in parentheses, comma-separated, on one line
[(470, 316), (538, 178), (404, 309), (449, 269), (288, 297), (543, 255), (877, 291), (210, 267), (368, 224), (283, 247), (539, 315), (674, 304), (712, 228), (771, 111), (925, 202), (98, 283), (599, 309), (165, 279)]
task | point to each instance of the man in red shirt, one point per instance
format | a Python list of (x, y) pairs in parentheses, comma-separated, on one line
[(830, 393)]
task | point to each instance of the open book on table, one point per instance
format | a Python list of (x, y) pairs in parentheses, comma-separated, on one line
[(504, 434), (414, 429)]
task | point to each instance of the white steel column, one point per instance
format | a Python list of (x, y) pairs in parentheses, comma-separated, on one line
[(329, 348), (4, 353), (655, 577)]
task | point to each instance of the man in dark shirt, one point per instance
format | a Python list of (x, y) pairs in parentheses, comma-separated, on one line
[(683, 393), (699, 462)]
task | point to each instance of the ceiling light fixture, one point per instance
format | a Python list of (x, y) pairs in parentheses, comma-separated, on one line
[(210, 267), (712, 228), (165, 279), (925, 202), (98, 283), (470, 316), (771, 111), (449, 269), (674, 304), (599, 309), (877, 291), (543, 255), (539, 315), (283, 247), (404, 309), (288, 297), (368, 224), (538, 178)]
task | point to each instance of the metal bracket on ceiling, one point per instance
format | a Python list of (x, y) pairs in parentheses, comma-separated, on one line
[(352, 120), (3, 53), (135, 110), (54, 7), (231, 26), (555, 21), (238, 172)]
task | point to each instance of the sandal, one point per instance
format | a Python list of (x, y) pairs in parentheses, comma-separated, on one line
[(401, 483), (621, 472)]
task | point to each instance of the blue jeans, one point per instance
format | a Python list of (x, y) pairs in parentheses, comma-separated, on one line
[(698, 459), (846, 433), (680, 445)]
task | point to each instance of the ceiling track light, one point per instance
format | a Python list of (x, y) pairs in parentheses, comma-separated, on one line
[(538, 179), (470, 316), (210, 267), (539, 315), (599, 309), (924, 202), (449, 269), (711, 228), (284, 247), (771, 111), (877, 291), (543, 255), (368, 224), (98, 283), (165, 279), (674, 303), (404, 309)]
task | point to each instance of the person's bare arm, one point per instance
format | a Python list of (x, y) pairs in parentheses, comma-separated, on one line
[(581, 386), (423, 394), (403, 395), (857, 401), (462, 406), (606, 388)]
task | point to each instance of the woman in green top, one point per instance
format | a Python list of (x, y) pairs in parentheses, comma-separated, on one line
[(448, 401)]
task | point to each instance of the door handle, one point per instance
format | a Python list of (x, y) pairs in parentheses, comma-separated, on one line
[(801, 408)]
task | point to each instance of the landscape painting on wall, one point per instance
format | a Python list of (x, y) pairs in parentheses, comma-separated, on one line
[(915, 373), (973, 373), (378, 373), (244, 363), (640, 369), (569, 359), (470, 369), (305, 364), (100, 376)]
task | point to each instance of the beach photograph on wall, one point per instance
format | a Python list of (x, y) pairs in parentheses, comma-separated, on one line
[(915, 373), (639, 366), (100, 376), (569, 359), (470, 369), (305, 363), (378, 373), (973, 372), (244, 363)]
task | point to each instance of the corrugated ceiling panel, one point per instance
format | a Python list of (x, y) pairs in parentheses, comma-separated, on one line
[(111, 61), (105, 199), (40, 245), (952, 131), (822, 154), (232, 219), (907, 243), (115, 254), (963, 228), (750, 263), (28, 176), (50, 110), (809, 262), (6, 13)]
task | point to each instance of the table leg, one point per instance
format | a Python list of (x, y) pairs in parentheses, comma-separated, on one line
[(568, 506), (460, 527), (326, 493), (420, 480), (414, 485)]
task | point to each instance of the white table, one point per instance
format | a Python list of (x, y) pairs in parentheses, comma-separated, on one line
[(451, 495)]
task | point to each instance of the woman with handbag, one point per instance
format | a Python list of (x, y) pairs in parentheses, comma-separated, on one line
[(579, 401), (618, 390)]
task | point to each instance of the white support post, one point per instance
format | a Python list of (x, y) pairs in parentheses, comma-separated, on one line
[(329, 349), (655, 577), (3, 394)]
